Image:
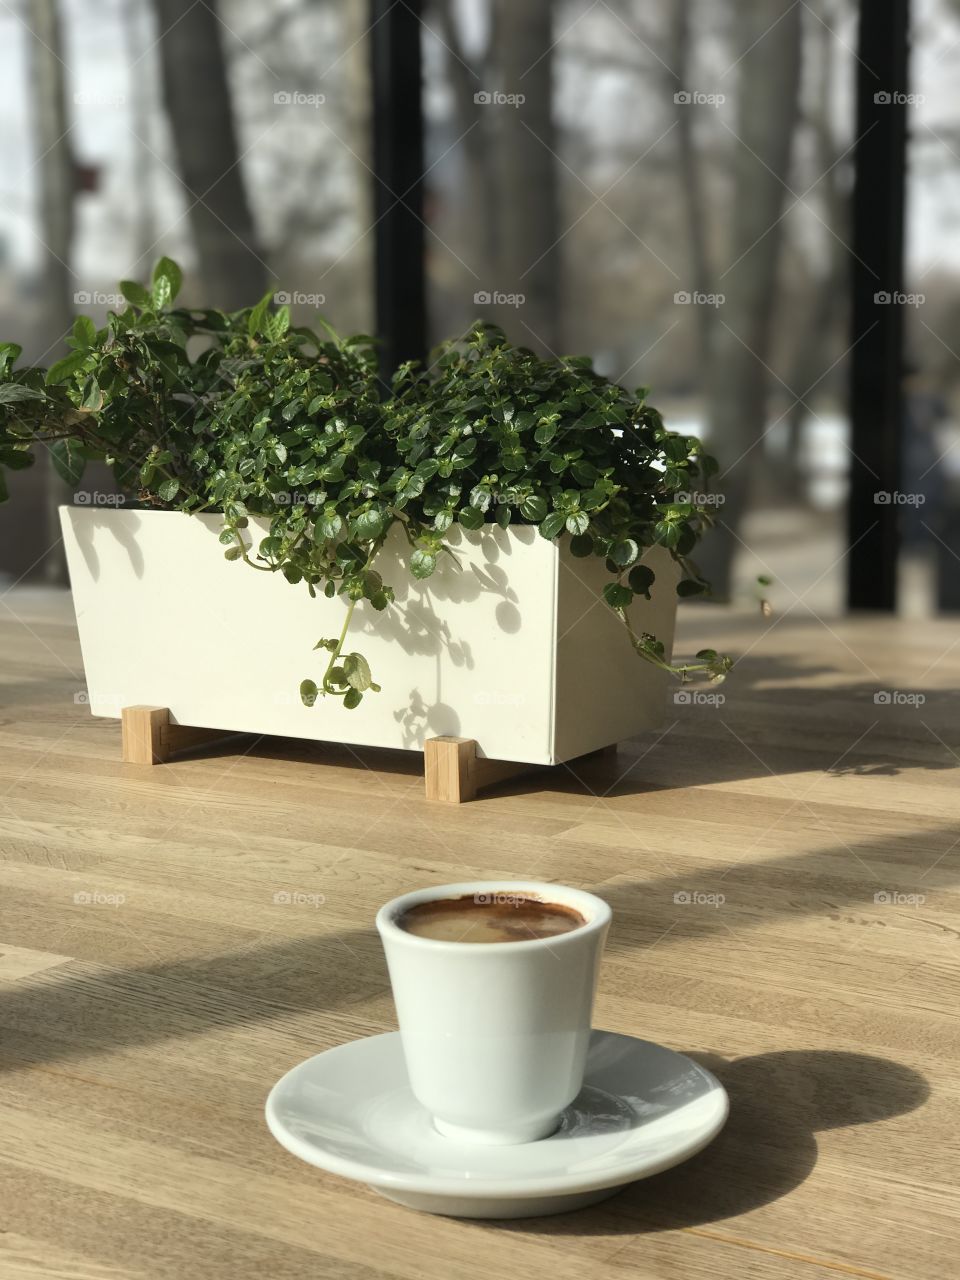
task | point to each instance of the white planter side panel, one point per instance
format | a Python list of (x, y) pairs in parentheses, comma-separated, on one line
[(604, 691), (165, 620)]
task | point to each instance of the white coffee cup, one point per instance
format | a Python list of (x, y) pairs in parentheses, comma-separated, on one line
[(495, 1035)]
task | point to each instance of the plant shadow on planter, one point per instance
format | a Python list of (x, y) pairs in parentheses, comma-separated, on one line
[(778, 1103), (124, 531), (414, 626)]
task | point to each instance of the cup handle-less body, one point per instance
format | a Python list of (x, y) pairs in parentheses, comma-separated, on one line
[(495, 1035)]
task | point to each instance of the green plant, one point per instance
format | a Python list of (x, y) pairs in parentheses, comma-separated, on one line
[(246, 415)]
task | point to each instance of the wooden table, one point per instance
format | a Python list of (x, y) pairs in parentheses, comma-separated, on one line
[(152, 989)]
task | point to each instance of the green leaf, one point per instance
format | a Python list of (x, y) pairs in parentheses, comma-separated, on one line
[(641, 579), (533, 508), (624, 552), (581, 546), (308, 692), (667, 534), (92, 395), (66, 368), (167, 279), (369, 525), (258, 315), (617, 596), (136, 294), (327, 527), (470, 518), (357, 671), (278, 323), (15, 392), (690, 587), (68, 461), (553, 524), (16, 457), (593, 498), (169, 489), (578, 522), (161, 293), (84, 332), (352, 698), (422, 563)]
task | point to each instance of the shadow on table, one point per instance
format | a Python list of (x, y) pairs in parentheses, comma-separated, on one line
[(778, 1103), (60, 1013)]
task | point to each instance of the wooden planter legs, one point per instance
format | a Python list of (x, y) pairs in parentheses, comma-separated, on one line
[(453, 772), (150, 738)]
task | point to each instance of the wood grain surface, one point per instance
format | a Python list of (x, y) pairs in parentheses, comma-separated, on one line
[(784, 868)]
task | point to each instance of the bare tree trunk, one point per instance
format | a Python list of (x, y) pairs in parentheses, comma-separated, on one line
[(197, 97), (768, 38), (56, 184), (477, 205), (526, 188), (143, 231), (691, 184), (828, 285)]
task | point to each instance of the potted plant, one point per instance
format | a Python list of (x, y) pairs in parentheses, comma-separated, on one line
[(485, 548)]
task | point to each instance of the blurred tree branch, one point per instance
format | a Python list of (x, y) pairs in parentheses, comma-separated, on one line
[(768, 39), (197, 98), (691, 181), (56, 189)]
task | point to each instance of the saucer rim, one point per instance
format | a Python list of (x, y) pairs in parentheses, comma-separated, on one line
[(432, 1184)]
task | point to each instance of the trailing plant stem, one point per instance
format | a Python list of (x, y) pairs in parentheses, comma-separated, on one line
[(327, 687)]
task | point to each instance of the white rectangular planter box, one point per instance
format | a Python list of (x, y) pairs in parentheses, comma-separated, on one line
[(515, 647)]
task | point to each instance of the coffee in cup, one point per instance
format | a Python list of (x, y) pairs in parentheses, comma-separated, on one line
[(500, 916), (494, 1017)]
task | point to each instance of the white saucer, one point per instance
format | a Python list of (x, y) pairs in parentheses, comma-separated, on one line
[(642, 1109)]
